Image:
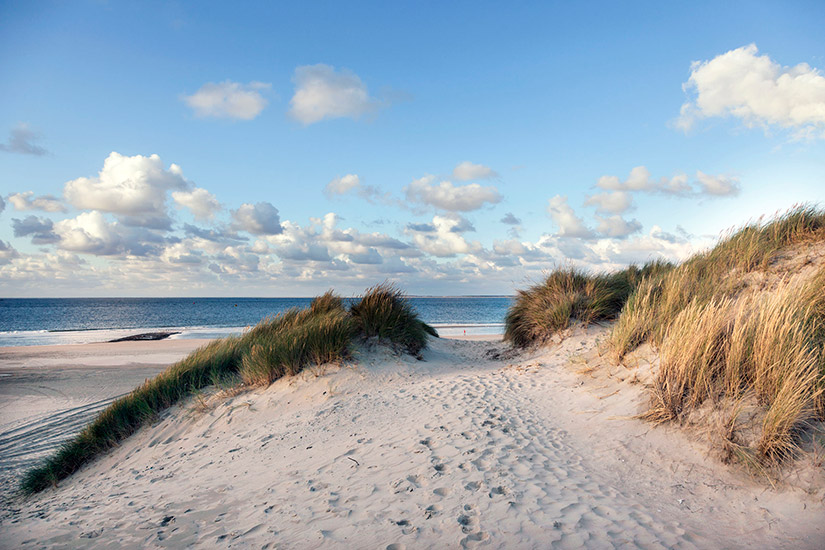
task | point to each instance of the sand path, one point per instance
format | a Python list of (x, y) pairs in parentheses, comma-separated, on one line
[(457, 451)]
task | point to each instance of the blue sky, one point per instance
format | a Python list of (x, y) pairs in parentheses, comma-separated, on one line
[(321, 145)]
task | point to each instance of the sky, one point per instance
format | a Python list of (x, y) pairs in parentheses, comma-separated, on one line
[(455, 148)]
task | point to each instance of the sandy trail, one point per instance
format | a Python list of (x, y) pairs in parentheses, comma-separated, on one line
[(457, 451)]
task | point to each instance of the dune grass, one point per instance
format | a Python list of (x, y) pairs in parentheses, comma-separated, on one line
[(570, 295), (711, 275), (766, 344), (385, 313), (720, 339), (280, 346)]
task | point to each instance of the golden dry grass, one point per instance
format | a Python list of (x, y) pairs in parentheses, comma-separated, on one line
[(720, 339)]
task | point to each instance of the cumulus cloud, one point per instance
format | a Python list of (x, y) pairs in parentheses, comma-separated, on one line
[(757, 90), (322, 92), (570, 225), (24, 201), (228, 100), (466, 171), (2, 205), (40, 229), (342, 185), (203, 204), (134, 188), (443, 237), (446, 239), (640, 180), (721, 186), (613, 202), (617, 227), (259, 219), (453, 198), (92, 233), (21, 140), (351, 184), (518, 251)]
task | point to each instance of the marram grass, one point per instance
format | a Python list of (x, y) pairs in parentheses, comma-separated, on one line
[(568, 295), (280, 346), (721, 340)]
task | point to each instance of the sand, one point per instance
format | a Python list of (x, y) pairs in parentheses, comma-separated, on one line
[(49, 392), (472, 447)]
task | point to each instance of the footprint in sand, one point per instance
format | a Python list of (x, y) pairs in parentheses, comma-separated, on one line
[(473, 486), (474, 539), (432, 510), (499, 491)]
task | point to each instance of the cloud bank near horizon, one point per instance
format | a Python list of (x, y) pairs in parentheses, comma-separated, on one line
[(141, 224)]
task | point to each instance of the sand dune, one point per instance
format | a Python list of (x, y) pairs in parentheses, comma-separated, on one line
[(468, 448)]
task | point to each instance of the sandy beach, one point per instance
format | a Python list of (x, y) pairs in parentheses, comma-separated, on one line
[(471, 447), (47, 393)]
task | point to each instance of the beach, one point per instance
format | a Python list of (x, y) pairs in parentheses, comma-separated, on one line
[(47, 393), (473, 446)]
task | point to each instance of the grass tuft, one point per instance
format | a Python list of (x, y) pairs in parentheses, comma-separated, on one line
[(567, 295), (384, 312)]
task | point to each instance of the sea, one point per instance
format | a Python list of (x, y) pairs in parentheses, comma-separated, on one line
[(53, 321)]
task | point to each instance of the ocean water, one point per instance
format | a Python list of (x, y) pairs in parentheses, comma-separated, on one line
[(49, 321)]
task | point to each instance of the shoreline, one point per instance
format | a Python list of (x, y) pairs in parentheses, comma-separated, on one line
[(24, 339)]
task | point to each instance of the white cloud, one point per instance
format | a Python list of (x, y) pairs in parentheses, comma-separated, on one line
[(445, 240), (321, 92), (466, 171), (24, 201), (352, 184), (90, 233), (722, 186), (657, 244), (454, 198), (228, 100), (135, 188), (519, 251), (259, 219), (569, 224), (21, 140), (640, 180), (757, 90), (617, 227), (342, 185), (203, 204), (614, 202)]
